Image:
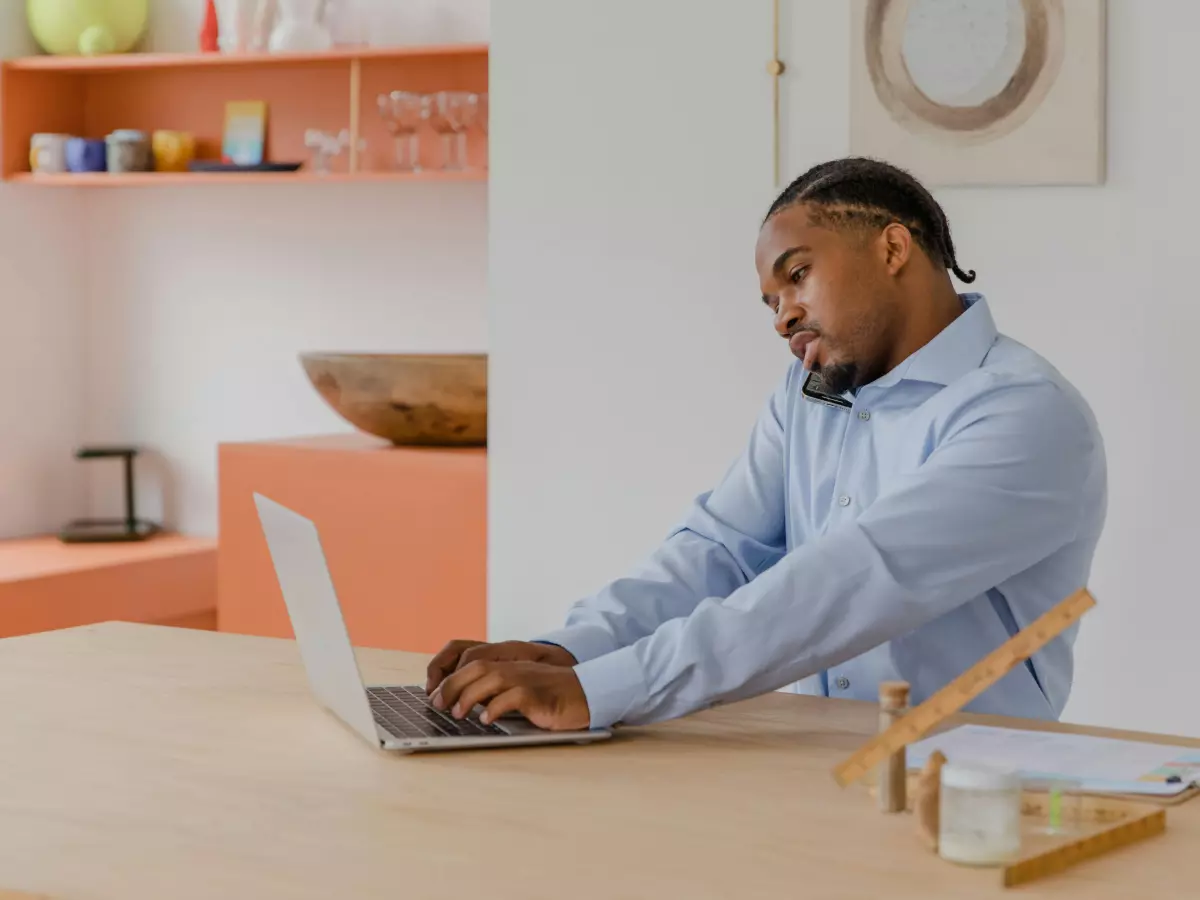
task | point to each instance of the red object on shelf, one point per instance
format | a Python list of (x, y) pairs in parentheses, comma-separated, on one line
[(211, 31)]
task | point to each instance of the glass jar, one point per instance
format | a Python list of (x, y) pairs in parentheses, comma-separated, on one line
[(129, 151), (979, 815)]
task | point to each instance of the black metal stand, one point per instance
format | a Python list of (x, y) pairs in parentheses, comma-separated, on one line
[(102, 531)]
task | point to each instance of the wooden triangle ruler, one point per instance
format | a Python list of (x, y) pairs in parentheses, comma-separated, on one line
[(922, 719), (1128, 823), (1136, 827)]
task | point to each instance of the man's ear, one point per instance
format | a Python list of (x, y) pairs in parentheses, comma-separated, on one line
[(896, 244)]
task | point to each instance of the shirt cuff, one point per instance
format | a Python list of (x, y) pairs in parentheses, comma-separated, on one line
[(613, 685), (584, 642)]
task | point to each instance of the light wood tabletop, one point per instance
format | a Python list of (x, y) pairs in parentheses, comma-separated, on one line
[(146, 762)]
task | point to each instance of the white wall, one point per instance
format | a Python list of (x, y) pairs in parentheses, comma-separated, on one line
[(621, 236), (175, 24), (630, 349), (199, 300), (41, 373)]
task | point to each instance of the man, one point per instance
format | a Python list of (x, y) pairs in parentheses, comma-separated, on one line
[(917, 489)]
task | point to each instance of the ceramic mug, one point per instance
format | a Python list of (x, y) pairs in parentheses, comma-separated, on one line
[(128, 151), (84, 155), (48, 153), (173, 150)]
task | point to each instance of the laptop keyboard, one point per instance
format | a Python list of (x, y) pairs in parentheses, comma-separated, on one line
[(407, 713)]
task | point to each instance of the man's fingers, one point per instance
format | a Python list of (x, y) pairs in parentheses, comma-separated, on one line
[(444, 663), (514, 699), (480, 652), (480, 691), (449, 690)]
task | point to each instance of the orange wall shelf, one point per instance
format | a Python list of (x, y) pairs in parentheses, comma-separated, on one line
[(93, 96)]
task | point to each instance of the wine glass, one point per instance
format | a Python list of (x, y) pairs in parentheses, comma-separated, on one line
[(481, 119), (403, 112), (450, 114), (327, 147), (482, 115)]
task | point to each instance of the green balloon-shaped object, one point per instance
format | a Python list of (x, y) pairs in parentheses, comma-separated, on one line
[(87, 27)]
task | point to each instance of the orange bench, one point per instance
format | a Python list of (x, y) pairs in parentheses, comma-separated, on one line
[(167, 580)]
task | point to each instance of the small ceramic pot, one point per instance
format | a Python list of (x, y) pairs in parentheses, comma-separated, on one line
[(84, 155), (48, 153), (173, 150), (128, 151)]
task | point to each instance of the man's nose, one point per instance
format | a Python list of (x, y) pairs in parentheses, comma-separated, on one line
[(787, 317)]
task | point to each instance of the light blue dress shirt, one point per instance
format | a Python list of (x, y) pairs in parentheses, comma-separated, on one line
[(959, 497)]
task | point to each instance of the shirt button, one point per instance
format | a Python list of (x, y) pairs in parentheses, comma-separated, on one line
[(843, 500), (842, 683), (865, 416)]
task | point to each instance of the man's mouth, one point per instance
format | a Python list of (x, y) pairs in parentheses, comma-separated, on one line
[(804, 345)]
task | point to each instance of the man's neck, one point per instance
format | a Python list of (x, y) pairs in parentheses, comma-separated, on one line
[(927, 320)]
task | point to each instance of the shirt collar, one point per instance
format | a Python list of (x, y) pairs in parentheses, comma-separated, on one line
[(955, 350)]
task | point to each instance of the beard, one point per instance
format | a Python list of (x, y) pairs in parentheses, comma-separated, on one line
[(839, 378)]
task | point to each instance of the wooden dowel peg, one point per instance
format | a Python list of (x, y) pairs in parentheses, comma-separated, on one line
[(927, 802), (893, 771)]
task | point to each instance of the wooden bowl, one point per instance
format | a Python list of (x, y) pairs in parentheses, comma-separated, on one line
[(435, 400)]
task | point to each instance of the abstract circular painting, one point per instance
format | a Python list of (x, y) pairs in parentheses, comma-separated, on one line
[(981, 91)]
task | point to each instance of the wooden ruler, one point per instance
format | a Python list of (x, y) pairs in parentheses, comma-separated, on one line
[(966, 687), (1060, 858)]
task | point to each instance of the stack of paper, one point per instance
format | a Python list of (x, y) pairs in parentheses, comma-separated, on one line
[(1099, 765)]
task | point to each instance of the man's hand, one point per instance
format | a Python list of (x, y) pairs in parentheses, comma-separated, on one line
[(549, 696), (457, 654)]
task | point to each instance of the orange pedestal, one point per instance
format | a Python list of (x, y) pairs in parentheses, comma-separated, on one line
[(46, 585), (404, 532)]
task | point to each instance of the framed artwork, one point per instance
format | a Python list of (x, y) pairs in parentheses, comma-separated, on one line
[(968, 92), (244, 142)]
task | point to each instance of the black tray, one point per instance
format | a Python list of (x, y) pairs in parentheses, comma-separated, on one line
[(212, 165)]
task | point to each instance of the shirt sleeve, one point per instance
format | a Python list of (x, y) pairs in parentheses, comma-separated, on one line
[(1001, 491), (732, 534)]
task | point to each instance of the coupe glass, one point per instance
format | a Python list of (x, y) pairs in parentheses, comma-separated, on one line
[(482, 113), (403, 113), (451, 114), (481, 118)]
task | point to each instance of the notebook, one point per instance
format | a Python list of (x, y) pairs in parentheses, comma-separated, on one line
[(1098, 765)]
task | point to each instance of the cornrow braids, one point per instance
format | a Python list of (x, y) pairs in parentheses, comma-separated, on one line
[(870, 193)]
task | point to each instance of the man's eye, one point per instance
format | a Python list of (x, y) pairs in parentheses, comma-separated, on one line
[(798, 275)]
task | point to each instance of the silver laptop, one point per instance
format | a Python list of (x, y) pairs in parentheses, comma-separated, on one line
[(392, 717)]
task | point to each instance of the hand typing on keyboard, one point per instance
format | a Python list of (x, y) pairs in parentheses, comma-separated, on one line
[(549, 696), (457, 654)]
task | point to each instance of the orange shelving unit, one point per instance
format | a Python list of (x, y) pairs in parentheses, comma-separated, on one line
[(93, 96), (404, 530)]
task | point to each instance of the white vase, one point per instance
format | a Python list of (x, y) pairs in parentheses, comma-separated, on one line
[(300, 29), (236, 21)]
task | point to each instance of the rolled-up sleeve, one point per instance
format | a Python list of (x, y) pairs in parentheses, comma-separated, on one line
[(1001, 490)]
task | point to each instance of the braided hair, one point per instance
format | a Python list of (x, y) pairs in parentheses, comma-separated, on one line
[(862, 192)]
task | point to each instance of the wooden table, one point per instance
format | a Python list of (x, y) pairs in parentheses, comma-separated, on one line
[(146, 762)]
